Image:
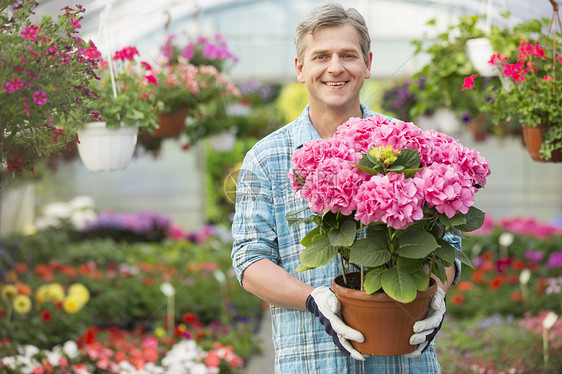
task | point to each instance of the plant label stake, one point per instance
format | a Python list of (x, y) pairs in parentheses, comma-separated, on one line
[(547, 324), (169, 291), (523, 280)]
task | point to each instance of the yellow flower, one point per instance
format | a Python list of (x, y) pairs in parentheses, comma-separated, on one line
[(55, 292), (22, 304), (159, 332), (80, 292), (41, 294), (72, 304), (9, 292)]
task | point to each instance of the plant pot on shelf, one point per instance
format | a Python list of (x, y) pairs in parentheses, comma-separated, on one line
[(106, 149), (386, 324), (171, 125), (532, 137), (479, 51)]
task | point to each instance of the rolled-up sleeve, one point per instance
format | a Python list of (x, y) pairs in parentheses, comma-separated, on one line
[(253, 230)]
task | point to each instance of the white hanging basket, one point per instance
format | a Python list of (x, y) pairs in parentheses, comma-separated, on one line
[(479, 51), (106, 149), (222, 142)]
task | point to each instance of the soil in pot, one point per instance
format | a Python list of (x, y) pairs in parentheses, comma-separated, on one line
[(386, 324)]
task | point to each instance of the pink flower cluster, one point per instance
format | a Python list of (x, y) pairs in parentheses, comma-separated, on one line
[(325, 174)]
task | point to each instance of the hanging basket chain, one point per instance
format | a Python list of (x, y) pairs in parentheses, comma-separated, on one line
[(554, 21)]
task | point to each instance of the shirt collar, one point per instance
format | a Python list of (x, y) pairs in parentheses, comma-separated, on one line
[(305, 130)]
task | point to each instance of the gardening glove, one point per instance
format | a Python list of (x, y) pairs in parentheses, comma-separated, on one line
[(425, 330), (323, 303)]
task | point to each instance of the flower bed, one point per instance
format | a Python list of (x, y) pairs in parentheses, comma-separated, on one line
[(127, 277)]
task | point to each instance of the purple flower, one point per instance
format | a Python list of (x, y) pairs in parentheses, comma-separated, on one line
[(555, 260), (535, 256)]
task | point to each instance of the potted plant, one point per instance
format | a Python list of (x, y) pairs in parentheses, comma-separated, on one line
[(383, 196), (179, 80), (532, 97), (44, 76), (127, 104)]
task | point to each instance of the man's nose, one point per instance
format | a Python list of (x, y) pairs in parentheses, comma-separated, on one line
[(336, 65)]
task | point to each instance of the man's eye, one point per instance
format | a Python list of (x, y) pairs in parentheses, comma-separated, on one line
[(321, 57)]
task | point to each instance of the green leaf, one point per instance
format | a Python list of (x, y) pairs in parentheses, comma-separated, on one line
[(446, 252), (309, 237), (371, 252), (395, 168), (319, 253), (409, 264), (293, 221), (421, 278), (416, 244), (297, 221), (408, 158), (344, 236), (474, 220), (439, 270), (463, 258), (399, 284), (410, 173), (302, 268), (372, 281), (366, 169), (456, 220)]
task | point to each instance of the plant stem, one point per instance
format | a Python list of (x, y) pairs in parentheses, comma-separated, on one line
[(362, 234), (343, 269), (431, 266)]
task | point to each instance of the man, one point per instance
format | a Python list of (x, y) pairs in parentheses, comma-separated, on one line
[(333, 60)]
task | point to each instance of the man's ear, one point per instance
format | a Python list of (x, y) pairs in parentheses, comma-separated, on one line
[(298, 68), (368, 63)]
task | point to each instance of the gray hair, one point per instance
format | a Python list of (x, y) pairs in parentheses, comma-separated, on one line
[(330, 15)]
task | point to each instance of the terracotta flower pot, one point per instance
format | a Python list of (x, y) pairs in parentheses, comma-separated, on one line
[(386, 324), (172, 124), (532, 137)]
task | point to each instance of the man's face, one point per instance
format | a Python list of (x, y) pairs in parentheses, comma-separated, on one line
[(333, 68)]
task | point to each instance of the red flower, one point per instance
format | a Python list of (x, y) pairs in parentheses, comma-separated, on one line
[(468, 82), (46, 316), (190, 318), (516, 296), (15, 164), (465, 286), (496, 283)]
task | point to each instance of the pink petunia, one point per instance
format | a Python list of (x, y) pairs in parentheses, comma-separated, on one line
[(40, 98), (151, 79), (29, 32)]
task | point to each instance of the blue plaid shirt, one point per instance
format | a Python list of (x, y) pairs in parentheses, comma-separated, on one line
[(260, 231)]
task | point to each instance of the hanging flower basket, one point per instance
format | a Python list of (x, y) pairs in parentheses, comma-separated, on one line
[(106, 149), (479, 52), (171, 125), (533, 138)]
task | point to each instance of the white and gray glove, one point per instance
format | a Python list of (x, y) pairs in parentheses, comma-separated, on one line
[(323, 303), (426, 329)]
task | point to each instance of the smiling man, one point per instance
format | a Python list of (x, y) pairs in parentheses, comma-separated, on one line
[(333, 60)]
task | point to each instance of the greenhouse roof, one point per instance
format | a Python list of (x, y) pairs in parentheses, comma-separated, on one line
[(260, 32)]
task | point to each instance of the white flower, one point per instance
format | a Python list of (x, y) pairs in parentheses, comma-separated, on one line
[(81, 202), (167, 289), (506, 239), (70, 348)]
